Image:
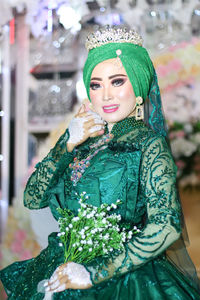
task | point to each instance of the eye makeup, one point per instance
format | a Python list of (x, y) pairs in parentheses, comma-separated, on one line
[(94, 86), (118, 82)]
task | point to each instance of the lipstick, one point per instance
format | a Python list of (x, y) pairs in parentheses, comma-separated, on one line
[(110, 108)]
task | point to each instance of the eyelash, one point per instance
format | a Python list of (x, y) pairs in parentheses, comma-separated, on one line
[(116, 82), (94, 86)]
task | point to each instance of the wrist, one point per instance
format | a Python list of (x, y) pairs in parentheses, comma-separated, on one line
[(70, 147)]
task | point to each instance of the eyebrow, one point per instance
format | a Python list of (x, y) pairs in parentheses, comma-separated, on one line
[(110, 77)]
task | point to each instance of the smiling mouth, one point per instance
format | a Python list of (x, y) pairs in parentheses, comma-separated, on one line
[(110, 108)]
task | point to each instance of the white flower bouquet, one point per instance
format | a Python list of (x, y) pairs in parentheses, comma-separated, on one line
[(93, 232)]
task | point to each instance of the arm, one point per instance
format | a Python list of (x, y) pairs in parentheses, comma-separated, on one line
[(158, 183), (46, 174), (85, 124)]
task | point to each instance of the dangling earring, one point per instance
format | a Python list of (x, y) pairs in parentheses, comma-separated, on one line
[(139, 115)]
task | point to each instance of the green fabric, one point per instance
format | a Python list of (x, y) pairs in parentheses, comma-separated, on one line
[(136, 167), (135, 60)]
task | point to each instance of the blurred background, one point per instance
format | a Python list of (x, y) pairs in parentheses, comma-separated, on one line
[(41, 60)]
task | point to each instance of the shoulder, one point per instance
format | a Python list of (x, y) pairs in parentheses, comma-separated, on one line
[(144, 138)]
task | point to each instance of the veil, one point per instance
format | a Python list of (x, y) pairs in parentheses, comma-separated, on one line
[(154, 118)]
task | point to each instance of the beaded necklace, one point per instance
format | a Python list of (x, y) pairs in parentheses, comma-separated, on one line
[(125, 126)]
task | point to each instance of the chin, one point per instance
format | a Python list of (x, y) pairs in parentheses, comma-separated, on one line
[(113, 119)]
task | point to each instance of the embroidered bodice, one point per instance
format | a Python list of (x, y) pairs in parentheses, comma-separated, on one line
[(132, 164)]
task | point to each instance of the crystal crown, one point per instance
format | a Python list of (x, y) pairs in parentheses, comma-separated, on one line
[(112, 35)]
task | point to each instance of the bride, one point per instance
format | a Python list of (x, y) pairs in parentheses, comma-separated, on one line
[(118, 149)]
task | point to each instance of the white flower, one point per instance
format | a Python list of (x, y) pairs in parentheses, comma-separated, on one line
[(108, 208), (118, 201), (188, 128), (103, 214), (135, 227), (66, 228), (83, 236), (75, 219), (90, 249), (130, 234), (114, 206), (70, 225), (60, 244), (80, 248), (104, 221), (196, 138), (106, 237), (181, 146), (59, 234), (111, 249), (93, 231), (89, 242)]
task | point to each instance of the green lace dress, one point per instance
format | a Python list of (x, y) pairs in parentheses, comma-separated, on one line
[(135, 166)]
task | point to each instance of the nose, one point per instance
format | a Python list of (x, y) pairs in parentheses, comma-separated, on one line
[(107, 94)]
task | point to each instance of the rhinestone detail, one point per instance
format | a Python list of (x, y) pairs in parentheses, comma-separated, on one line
[(112, 35)]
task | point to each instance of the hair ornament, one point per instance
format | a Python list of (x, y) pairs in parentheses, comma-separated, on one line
[(112, 35), (119, 63)]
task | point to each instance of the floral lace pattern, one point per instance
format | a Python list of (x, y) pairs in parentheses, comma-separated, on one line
[(79, 166)]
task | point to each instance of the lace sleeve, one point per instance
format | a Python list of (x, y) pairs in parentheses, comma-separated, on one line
[(46, 174), (163, 225)]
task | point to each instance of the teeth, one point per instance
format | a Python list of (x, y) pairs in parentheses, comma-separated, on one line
[(111, 107)]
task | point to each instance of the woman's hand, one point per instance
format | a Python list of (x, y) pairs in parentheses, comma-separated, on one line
[(69, 276), (85, 124)]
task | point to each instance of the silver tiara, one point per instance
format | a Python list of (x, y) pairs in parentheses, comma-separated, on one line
[(112, 35)]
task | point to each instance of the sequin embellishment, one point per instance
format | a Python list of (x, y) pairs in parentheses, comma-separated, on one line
[(79, 166)]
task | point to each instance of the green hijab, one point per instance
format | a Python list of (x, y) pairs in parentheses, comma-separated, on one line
[(136, 62), (141, 73)]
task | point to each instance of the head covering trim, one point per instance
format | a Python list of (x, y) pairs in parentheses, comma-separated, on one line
[(135, 60)]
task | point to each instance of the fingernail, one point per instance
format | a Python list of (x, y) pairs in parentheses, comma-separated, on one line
[(46, 283), (55, 285)]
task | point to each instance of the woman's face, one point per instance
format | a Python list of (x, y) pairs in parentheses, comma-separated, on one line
[(111, 92)]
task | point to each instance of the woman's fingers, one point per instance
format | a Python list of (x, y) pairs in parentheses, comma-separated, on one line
[(61, 288), (95, 128), (57, 283), (82, 109), (97, 133)]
